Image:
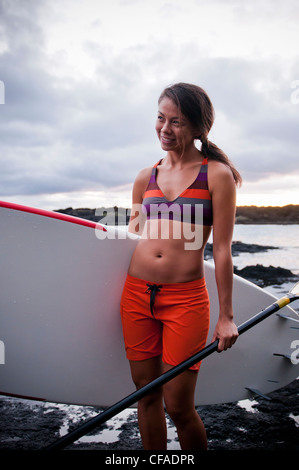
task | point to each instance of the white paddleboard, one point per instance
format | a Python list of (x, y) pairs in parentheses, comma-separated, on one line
[(60, 330)]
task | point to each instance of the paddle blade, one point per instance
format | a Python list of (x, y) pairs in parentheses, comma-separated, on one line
[(295, 290)]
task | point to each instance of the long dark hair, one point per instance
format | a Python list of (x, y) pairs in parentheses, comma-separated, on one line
[(194, 103)]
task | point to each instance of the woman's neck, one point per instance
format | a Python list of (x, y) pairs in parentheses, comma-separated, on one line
[(189, 155)]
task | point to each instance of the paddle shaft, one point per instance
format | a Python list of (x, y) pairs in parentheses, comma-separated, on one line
[(126, 402)]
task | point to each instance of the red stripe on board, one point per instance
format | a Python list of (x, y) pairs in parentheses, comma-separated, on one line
[(24, 397), (53, 215)]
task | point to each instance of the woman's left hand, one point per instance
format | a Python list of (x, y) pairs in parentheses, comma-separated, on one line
[(226, 332)]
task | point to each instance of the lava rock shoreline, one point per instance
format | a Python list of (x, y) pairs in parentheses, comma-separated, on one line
[(271, 424), (258, 274)]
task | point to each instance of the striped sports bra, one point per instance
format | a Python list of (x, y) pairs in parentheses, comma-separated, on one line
[(193, 205)]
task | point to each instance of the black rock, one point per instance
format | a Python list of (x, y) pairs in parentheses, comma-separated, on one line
[(240, 247), (265, 275)]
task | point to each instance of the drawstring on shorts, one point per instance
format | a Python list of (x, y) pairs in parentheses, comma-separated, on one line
[(153, 289)]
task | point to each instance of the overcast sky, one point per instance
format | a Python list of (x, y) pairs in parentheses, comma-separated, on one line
[(80, 83)]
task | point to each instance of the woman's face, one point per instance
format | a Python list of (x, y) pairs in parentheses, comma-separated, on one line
[(174, 131)]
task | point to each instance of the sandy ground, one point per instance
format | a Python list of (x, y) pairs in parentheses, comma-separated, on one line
[(256, 424)]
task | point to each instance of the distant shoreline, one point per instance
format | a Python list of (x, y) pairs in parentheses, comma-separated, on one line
[(268, 215), (245, 215)]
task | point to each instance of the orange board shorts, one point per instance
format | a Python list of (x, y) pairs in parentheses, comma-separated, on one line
[(171, 320)]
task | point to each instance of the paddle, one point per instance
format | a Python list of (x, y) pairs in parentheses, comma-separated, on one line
[(92, 423)]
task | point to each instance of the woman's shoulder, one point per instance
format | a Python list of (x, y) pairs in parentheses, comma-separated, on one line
[(144, 173), (219, 169), (219, 176), (143, 176), (141, 182)]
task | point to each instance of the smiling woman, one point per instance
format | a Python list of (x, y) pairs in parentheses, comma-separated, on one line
[(165, 304)]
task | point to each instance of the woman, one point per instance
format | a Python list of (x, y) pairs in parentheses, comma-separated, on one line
[(165, 305)]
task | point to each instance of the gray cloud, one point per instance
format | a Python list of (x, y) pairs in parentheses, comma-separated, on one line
[(63, 134)]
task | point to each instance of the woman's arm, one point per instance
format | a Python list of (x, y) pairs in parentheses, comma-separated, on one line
[(223, 191)]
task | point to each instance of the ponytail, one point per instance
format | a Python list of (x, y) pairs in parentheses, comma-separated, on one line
[(212, 152)]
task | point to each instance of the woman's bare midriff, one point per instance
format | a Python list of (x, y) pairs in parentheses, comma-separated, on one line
[(167, 259)]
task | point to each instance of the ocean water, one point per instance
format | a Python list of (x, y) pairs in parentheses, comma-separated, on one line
[(285, 254), (285, 239)]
